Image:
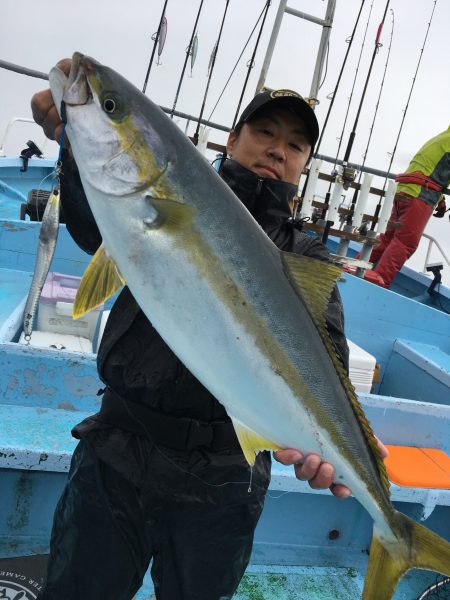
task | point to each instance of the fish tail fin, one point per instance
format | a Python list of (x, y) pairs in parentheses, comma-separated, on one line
[(417, 547)]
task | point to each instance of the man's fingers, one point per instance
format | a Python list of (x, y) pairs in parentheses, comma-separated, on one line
[(384, 451), (340, 491), (288, 457), (319, 474), (41, 103), (64, 64)]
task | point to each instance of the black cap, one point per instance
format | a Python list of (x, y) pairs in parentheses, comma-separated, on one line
[(289, 99)]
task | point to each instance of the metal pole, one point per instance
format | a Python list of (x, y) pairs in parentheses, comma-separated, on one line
[(271, 46), (326, 30)]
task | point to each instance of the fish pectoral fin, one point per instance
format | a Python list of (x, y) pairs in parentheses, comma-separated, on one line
[(251, 443), (314, 280), (100, 281), (168, 213)]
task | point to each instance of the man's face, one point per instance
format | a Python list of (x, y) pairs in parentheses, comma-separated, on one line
[(273, 145)]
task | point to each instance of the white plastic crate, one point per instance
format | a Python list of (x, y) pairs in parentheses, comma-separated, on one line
[(55, 308), (361, 367)]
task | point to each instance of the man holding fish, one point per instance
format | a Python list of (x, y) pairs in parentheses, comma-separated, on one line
[(159, 473)]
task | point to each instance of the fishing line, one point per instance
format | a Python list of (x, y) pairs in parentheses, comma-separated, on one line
[(189, 50), (177, 466), (348, 174), (353, 88), (363, 95), (378, 208), (326, 66), (334, 94), (237, 62), (251, 64), (279, 495), (210, 73), (355, 195), (154, 46)]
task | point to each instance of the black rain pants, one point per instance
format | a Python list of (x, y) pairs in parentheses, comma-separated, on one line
[(106, 530)]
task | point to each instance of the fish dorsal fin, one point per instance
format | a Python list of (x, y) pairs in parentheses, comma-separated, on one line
[(314, 280), (250, 442), (100, 281)]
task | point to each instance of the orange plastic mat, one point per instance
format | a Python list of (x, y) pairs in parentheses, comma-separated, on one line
[(418, 467)]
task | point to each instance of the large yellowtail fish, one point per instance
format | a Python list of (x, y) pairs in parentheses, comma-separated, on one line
[(244, 317)]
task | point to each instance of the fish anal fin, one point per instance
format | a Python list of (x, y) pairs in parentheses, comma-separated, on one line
[(100, 281), (251, 443)]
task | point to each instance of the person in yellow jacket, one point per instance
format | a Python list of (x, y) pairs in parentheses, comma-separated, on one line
[(418, 193)]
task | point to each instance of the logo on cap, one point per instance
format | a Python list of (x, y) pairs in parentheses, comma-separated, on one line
[(283, 93)]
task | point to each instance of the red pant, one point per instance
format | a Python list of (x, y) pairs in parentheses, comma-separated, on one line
[(400, 242)]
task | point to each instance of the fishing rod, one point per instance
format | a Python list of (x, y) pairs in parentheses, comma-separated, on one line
[(375, 52), (158, 33), (186, 59), (22, 70), (334, 94), (355, 195), (341, 137), (353, 85), (348, 174), (378, 207), (251, 63), (210, 74), (237, 62)]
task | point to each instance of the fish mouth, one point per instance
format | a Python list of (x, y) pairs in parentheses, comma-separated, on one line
[(77, 90)]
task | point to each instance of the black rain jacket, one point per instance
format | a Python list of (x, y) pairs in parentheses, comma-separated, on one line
[(135, 362)]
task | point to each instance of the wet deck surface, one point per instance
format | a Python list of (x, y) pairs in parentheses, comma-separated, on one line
[(310, 583)]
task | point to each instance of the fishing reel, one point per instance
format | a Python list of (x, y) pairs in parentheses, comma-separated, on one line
[(348, 177)]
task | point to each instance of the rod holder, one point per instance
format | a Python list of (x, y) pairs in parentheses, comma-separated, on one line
[(313, 176), (386, 209), (365, 253), (361, 203)]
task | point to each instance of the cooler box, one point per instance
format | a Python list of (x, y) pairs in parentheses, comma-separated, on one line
[(361, 367), (55, 308), (57, 341)]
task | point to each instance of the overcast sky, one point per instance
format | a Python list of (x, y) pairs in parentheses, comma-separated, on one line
[(117, 33)]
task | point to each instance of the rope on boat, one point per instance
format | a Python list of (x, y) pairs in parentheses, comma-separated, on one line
[(23, 70), (251, 64), (158, 33), (210, 73), (439, 589), (188, 54)]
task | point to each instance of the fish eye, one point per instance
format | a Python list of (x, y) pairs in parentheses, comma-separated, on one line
[(109, 104), (113, 105)]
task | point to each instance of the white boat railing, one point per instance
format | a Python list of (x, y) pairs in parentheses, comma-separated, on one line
[(431, 241), (11, 123)]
